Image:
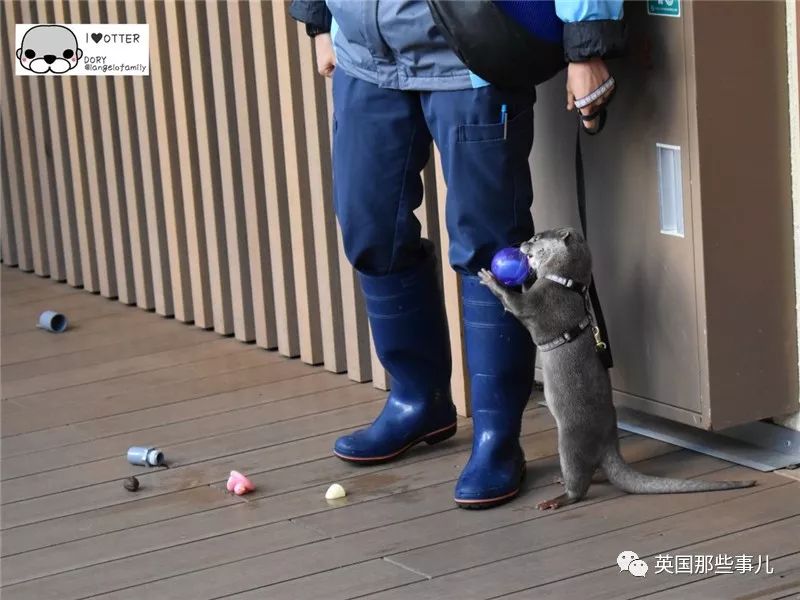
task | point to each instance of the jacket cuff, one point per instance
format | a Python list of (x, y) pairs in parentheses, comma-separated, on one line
[(591, 39), (314, 13)]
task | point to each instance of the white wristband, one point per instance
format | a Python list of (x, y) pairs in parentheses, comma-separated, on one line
[(604, 88)]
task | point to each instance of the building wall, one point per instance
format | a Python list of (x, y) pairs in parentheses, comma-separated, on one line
[(793, 35)]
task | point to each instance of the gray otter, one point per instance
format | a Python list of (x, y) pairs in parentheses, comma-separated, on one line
[(577, 387)]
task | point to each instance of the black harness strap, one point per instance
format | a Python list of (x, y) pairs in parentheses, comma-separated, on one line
[(603, 351)]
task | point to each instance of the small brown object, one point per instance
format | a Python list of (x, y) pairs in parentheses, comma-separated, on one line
[(131, 484)]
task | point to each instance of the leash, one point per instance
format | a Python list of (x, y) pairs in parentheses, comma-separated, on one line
[(602, 345)]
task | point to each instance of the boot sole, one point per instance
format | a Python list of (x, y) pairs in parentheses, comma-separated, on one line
[(484, 503), (434, 437)]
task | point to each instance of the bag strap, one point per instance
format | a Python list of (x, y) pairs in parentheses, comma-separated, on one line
[(604, 352)]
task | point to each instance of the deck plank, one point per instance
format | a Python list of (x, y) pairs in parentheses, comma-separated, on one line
[(363, 487), (574, 553), (262, 570), (204, 449), (338, 584), (165, 414), (23, 420), (74, 403), (774, 539), (273, 409), (783, 582)]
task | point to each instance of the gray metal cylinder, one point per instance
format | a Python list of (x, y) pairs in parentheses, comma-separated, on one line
[(141, 455)]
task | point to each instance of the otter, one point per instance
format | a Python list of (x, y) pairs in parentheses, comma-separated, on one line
[(577, 386)]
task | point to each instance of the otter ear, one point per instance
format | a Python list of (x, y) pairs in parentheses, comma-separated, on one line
[(79, 53), (19, 53)]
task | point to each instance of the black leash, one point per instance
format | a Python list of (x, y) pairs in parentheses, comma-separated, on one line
[(603, 344)]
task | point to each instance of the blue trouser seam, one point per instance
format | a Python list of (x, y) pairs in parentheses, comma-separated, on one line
[(401, 202)]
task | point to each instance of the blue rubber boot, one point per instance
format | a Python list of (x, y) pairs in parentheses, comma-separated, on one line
[(500, 359), (409, 329)]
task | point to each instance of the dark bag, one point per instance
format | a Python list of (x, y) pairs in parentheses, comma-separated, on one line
[(512, 44)]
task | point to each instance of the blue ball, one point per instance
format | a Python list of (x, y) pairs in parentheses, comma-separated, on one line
[(510, 267)]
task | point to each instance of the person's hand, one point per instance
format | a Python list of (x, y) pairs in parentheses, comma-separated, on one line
[(326, 59), (582, 79)]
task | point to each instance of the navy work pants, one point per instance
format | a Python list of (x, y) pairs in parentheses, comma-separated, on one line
[(381, 142)]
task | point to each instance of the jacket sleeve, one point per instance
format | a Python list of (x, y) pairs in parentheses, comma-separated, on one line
[(592, 28), (314, 13)]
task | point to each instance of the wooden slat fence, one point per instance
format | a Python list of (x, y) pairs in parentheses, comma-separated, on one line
[(201, 191)]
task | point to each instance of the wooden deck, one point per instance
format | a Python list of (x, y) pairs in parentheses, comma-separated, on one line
[(73, 403)]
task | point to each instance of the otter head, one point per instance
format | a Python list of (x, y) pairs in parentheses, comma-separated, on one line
[(49, 48), (561, 252)]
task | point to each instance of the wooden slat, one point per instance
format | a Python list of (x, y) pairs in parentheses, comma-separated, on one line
[(300, 209), (782, 582), (79, 167), (277, 403), (351, 581), (91, 552), (380, 377), (114, 349), (185, 447), (291, 504), (204, 141), (84, 435), (151, 183), (430, 218), (168, 159), (47, 194), (273, 170), (97, 192), (197, 258), (35, 343), (7, 235), (109, 149), (22, 318), (326, 255), (229, 179), (196, 449), (21, 419), (245, 81), (132, 190), (30, 199), (771, 539), (563, 550), (267, 569), (353, 315), (15, 219), (160, 482), (60, 161), (459, 381)]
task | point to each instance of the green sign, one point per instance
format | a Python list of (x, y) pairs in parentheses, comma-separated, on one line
[(664, 8)]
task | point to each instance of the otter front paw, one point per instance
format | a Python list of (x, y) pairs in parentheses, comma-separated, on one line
[(486, 277)]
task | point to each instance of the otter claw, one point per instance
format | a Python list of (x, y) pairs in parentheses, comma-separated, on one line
[(549, 504)]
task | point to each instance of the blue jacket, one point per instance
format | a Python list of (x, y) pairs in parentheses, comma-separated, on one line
[(395, 43)]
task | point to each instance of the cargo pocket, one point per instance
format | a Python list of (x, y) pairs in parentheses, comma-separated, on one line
[(492, 159)]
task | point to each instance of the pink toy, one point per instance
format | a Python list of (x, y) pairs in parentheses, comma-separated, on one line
[(239, 484)]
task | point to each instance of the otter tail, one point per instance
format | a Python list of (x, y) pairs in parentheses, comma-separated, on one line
[(624, 477)]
